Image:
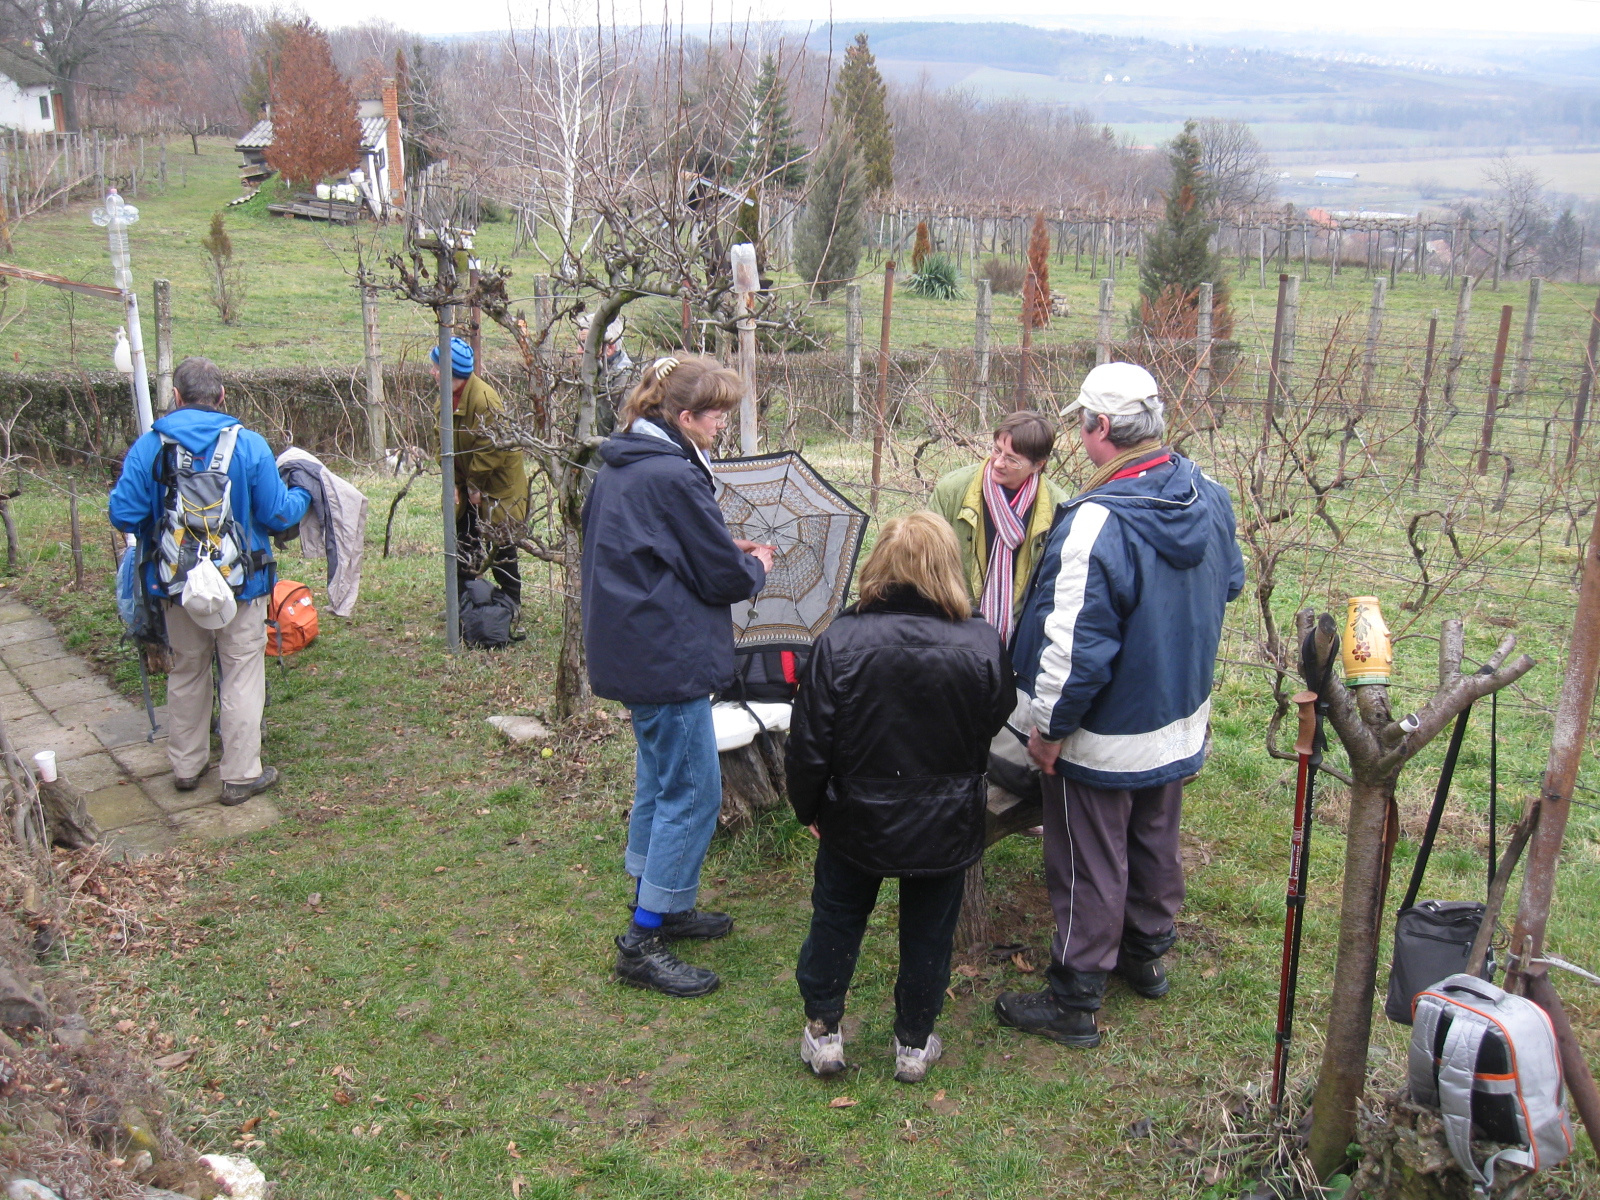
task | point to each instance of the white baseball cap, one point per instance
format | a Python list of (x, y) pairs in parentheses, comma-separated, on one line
[(1117, 389)]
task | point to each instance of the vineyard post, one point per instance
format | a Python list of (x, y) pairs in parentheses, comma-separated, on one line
[(852, 350), (879, 430), (1492, 404), (1530, 330)]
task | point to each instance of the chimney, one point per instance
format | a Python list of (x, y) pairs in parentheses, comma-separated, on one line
[(397, 166)]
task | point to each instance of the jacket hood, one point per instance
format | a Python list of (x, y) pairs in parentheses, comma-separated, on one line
[(620, 449), (195, 429), (1167, 508)]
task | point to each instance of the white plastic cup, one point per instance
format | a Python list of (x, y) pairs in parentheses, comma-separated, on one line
[(45, 763)]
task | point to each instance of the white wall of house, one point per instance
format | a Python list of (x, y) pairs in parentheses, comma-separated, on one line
[(28, 109)]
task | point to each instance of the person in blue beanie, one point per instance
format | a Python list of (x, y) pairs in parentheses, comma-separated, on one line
[(491, 483), (197, 430)]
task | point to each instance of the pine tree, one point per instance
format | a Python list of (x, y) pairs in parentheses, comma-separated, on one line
[(315, 133), (827, 241), (1179, 256), (862, 100), (922, 247), (770, 149), (1036, 284)]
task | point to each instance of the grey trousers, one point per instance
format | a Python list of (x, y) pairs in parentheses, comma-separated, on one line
[(241, 646), (1113, 870)]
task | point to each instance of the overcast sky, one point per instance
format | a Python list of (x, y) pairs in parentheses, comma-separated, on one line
[(1172, 16)]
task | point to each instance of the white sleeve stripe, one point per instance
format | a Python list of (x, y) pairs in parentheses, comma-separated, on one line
[(1072, 577)]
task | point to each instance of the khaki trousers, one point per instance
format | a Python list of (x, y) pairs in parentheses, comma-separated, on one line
[(240, 645)]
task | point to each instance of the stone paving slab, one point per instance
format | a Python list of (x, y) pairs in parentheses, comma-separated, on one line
[(91, 772), (143, 759), (167, 797), (122, 804), (141, 841), (52, 670), (76, 691), (19, 706), (52, 699), (34, 650), (129, 726), (31, 630)]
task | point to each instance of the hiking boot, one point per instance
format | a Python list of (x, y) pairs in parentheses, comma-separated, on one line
[(820, 1050), (694, 924), (189, 784), (644, 961), (1044, 1014), (238, 793), (911, 1063), (1147, 977)]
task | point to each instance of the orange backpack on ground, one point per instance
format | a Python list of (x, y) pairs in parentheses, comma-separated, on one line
[(291, 619)]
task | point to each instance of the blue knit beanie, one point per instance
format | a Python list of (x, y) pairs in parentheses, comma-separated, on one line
[(461, 363)]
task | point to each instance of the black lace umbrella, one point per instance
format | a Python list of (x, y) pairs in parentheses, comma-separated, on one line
[(781, 500)]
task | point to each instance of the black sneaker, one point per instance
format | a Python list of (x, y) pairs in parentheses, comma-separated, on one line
[(644, 961), (238, 793), (189, 784), (701, 926), (1042, 1013), (1148, 978)]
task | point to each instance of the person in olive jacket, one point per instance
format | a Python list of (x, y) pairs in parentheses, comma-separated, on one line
[(491, 483), (660, 570), (888, 743)]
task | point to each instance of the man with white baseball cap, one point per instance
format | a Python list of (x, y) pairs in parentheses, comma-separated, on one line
[(1114, 653)]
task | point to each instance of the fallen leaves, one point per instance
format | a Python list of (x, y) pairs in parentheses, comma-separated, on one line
[(517, 1184), (168, 1061), (942, 1105), (1021, 963), (511, 1149), (843, 1102)]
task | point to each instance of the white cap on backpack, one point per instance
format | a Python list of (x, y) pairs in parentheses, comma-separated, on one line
[(207, 598), (1117, 389)]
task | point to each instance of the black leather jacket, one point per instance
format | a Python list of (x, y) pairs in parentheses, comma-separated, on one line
[(890, 736)]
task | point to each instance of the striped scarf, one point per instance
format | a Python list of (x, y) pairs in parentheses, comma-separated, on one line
[(1009, 530)]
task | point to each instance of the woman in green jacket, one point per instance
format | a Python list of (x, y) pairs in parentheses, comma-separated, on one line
[(1001, 510)]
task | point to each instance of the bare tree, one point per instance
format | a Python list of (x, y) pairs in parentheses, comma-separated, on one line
[(1518, 203), (1237, 167), (75, 34)]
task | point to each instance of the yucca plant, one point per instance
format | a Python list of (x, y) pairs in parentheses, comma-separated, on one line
[(937, 280)]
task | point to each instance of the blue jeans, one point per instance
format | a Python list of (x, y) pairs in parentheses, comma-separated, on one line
[(677, 796)]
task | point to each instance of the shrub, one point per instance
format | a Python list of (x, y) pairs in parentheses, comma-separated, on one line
[(225, 276), (1005, 278), (937, 280), (827, 241)]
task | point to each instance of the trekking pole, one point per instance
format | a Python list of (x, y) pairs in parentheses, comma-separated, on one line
[(1310, 744), (1294, 901)]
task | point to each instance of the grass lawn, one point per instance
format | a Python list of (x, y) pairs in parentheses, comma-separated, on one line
[(407, 980), (301, 308)]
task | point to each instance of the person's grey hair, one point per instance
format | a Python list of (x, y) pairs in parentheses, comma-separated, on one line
[(198, 381), (1123, 432)]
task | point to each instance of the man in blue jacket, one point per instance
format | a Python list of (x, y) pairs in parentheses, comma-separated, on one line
[(261, 506), (1114, 654)]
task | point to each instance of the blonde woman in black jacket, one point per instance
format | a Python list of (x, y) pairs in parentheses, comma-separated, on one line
[(886, 757)]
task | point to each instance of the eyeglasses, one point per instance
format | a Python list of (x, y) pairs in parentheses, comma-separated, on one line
[(1011, 461)]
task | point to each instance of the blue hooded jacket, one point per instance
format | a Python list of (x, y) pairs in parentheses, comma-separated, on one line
[(262, 505), (660, 571), (1117, 642)]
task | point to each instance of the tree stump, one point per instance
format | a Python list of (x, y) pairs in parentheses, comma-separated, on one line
[(752, 781)]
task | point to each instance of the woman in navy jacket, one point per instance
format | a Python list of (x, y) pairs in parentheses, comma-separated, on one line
[(887, 749), (660, 570)]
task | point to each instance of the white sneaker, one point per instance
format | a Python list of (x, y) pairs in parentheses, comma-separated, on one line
[(822, 1051), (911, 1063)]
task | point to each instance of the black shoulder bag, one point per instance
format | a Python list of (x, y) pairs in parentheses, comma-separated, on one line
[(1433, 938)]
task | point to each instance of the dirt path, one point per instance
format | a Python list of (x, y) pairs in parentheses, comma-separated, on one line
[(51, 699)]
